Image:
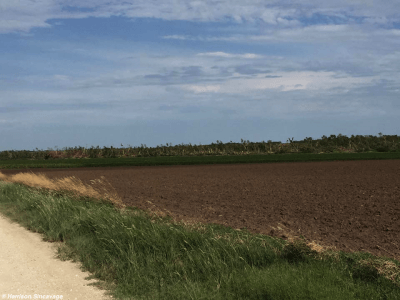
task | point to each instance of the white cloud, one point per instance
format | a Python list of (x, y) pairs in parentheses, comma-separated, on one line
[(176, 37), (339, 36), (230, 55), (391, 32), (312, 34), (286, 81), (21, 25), (62, 78), (202, 88), (23, 15), (238, 38)]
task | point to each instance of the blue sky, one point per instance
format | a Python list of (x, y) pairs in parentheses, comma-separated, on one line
[(106, 72)]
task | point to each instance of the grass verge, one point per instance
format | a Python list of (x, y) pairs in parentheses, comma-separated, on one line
[(143, 256)]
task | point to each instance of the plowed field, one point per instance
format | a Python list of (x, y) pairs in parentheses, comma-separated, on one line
[(349, 205)]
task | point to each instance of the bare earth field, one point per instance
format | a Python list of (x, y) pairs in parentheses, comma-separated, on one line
[(348, 205)]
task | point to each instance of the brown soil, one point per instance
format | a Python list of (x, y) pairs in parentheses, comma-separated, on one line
[(348, 205)]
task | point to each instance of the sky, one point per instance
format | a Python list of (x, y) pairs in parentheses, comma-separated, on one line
[(111, 72)]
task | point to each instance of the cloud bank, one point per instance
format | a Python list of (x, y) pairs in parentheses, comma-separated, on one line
[(23, 15)]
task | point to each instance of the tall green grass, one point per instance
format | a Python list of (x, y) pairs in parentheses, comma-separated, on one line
[(141, 256)]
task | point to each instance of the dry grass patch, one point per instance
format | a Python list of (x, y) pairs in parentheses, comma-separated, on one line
[(99, 188)]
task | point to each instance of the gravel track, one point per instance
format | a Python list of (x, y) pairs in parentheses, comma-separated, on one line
[(28, 266)]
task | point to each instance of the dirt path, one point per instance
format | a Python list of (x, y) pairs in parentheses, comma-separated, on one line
[(28, 267)]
